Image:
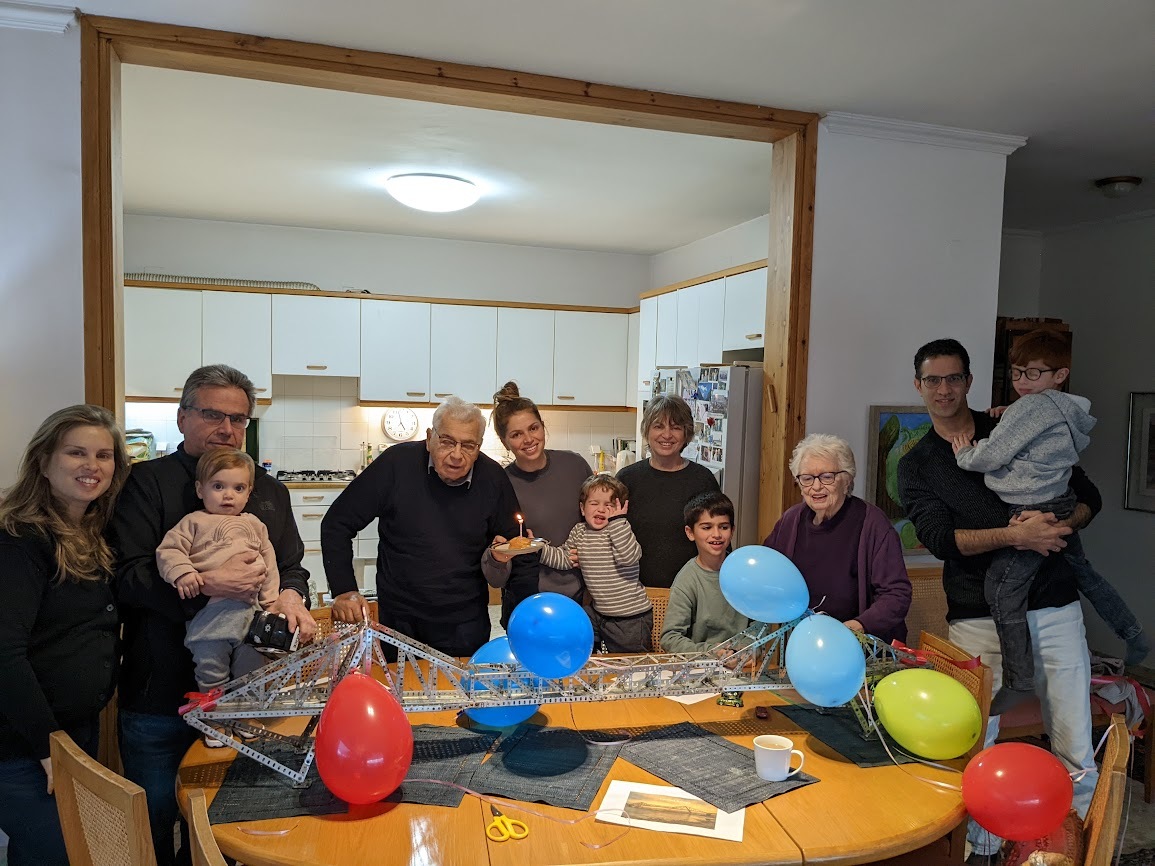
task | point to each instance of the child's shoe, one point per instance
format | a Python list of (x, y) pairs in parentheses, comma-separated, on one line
[(1006, 698)]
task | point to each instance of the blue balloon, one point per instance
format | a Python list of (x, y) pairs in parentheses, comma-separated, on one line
[(550, 635), (762, 584), (825, 661), (497, 651)]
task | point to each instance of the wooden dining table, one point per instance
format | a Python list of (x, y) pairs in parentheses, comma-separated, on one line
[(852, 815)]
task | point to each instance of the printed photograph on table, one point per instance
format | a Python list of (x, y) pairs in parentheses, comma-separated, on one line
[(893, 431), (1140, 483)]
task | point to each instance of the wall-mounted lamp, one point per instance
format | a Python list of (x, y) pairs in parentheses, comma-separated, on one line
[(1117, 187)]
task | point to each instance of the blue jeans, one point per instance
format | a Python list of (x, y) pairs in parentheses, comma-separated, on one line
[(151, 747), (28, 812), (1099, 591), (1063, 684)]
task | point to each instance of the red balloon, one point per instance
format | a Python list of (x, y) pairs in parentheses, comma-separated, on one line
[(1017, 791), (364, 741)]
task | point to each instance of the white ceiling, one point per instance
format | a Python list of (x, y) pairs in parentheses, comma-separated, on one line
[(210, 147), (1076, 78)]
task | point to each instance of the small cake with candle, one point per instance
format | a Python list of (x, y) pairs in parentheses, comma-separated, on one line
[(520, 543)]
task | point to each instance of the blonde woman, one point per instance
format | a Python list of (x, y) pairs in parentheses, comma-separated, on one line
[(58, 620)]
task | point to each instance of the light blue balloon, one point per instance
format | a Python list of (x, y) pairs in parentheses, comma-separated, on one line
[(762, 584), (550, 635), (825, 661), (497, 651)]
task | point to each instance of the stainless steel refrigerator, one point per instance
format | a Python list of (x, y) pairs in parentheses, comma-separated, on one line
[(726, 402)]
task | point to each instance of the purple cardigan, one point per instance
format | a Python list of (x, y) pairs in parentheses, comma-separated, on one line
[(883, 586)]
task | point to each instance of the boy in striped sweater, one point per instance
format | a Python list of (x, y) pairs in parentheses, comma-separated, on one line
[(604, 547)]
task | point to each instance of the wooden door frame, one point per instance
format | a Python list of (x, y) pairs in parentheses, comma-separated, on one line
[(108, 42)]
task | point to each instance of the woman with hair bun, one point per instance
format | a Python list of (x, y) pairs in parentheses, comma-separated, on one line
[(58, 620), (548, 484)]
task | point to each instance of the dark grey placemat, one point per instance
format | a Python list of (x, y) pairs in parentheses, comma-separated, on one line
[(251, 791), (839, 729), (708, 766), (558, 766)]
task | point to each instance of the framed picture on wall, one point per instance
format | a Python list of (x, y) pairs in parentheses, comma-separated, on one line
[(1140, 484), (893, 431)]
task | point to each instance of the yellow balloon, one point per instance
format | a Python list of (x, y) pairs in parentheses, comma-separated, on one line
[(928, 713)]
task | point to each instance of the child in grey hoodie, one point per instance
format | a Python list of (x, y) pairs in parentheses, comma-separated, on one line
[(1027, 461)]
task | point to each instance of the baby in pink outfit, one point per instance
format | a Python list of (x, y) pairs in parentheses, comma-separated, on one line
[(205, 540)]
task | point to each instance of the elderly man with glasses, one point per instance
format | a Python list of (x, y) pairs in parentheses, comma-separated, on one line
[(438, 503), (157, 669)]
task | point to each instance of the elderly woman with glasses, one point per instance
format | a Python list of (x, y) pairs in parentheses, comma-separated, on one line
[(846, 548)]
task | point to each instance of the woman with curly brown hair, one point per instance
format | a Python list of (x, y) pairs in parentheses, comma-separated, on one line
[(58, 620)]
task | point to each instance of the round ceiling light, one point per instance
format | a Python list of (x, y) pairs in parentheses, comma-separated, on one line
[(1119, 186), (439, 193)]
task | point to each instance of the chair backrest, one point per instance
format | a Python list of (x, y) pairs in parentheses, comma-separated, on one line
[(978, 680), (1101, 826), (204, 846), (104, 816), (927, 604), (659, 598)]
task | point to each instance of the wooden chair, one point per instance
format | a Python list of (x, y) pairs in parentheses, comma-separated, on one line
[(978, 681), (204, 846), (927, 604), (660, 599), (1101, 826), (104, 816)]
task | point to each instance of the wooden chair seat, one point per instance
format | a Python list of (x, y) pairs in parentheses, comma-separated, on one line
[(103, 816)]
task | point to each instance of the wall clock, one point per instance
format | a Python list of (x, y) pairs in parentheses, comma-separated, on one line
[(399, 424)]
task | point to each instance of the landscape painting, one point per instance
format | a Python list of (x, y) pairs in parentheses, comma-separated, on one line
[(893, 431)]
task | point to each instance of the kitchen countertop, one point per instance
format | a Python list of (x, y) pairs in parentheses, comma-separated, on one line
[(316, 485)]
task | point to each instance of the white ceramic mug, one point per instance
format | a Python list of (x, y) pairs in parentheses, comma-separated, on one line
[(772, 757)]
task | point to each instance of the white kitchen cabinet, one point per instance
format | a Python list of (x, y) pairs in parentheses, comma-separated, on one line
[(686, 354), (395, 351), (464, 356), (647, 343), (316, 336), (162, 340), (525, 351), (711, 314), (633, 326), (666, 339), (589, 355), (237, 330), (745, 318)]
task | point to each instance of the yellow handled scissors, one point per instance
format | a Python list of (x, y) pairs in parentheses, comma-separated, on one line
[(502, 829)]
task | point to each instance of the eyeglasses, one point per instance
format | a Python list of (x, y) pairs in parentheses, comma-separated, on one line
[(215, 416), (954, 380), (1032, 373), (826, 478), (448, 443)]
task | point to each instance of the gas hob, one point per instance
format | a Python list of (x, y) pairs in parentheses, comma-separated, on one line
[(332, 476)]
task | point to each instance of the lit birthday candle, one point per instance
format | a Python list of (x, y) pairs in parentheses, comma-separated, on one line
[(520, 525)]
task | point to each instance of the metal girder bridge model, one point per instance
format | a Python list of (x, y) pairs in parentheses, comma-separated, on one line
[(300, 683)]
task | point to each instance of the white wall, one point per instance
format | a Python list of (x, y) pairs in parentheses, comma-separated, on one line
[(384, 264), (1101, 280), (737, 245), (1020, 273), (41, 338), (906, 250)]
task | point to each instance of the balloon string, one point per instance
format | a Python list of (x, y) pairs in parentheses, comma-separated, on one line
[(269, 832), (513, 805), (868, 708)]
